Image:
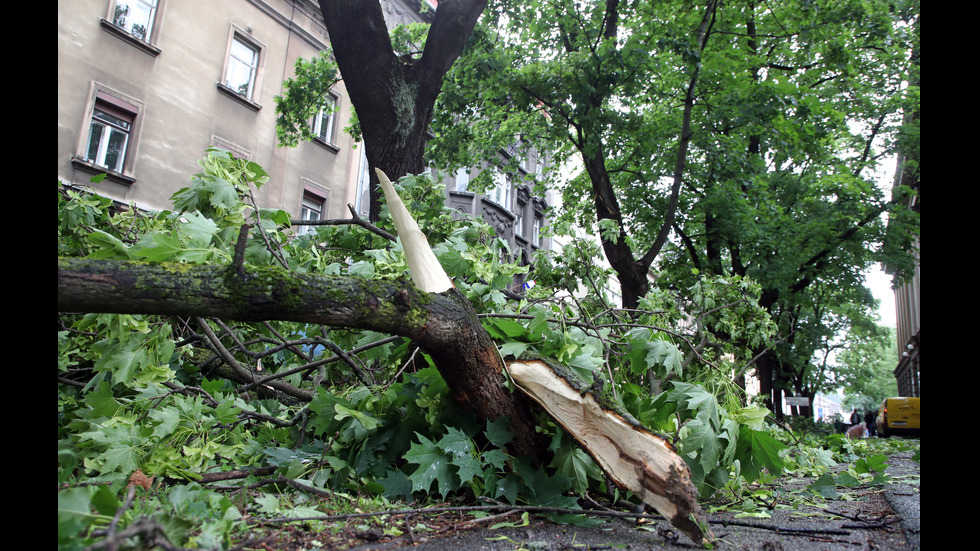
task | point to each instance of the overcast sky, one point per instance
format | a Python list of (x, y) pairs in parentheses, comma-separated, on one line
[(880, 284)]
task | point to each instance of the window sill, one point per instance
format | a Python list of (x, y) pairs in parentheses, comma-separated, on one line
[(121, 34), (226, 90), (325, 144), (92, 168)]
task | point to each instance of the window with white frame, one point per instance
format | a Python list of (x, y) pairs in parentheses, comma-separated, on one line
[(536, 232), (501, 191), (362, 200), (135, 17), (312, 209), (462, 179), (109, 131), (323, 122), (243, 65)]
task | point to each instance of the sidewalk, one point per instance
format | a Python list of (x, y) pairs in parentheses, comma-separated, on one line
[(882, 517)]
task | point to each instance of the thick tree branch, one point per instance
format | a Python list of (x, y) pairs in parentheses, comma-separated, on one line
[(442, 324)]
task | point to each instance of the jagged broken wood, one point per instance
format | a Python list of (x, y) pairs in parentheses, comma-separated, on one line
[(633, 457)]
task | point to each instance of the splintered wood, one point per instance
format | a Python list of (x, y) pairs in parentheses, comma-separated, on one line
[(634, 458)]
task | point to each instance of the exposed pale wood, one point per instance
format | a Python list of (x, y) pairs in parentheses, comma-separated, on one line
[(426, 271), (636, 459)]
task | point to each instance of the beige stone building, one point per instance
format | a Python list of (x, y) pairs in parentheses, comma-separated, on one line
[(145, 87)]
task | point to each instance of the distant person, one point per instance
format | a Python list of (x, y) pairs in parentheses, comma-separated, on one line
[(869, 421), (857, 431), (855, 418)]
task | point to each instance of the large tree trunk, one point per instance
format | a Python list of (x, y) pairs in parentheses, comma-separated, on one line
[(394, 97), (443, 324), (632, 272)]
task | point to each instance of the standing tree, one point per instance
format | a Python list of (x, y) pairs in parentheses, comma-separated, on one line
[(750, 132)]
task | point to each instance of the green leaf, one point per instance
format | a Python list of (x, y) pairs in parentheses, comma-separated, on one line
[(397, 485), (665, 353), (102, 401), (509, 487), (758, 450), (698, 400), (74, 514), (876, 463), (362, 269), (753, 416), (824, 486), (119, 457), (433, 465), (573, 463), (108, 246), (503, 328), (157, 247), (462, 453), (167, 418), (513, 349), (498, 433)]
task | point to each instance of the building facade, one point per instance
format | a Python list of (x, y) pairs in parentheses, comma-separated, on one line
[(145, 87), (907, 309), (907, 303)]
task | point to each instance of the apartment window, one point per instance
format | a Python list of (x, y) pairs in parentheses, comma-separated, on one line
[(323, 123), (109, 132), (135, 17), (362, 200), (312, 208), (500, 193), (462, 179), (536, 232), (243, 66)]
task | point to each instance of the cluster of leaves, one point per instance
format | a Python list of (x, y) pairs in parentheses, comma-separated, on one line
[(305, 94)]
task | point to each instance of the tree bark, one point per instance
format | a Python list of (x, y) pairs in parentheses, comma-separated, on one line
[(442, 324), (394, 97), (632, 272)]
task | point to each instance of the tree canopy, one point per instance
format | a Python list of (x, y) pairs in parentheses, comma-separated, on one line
[(754, 135)]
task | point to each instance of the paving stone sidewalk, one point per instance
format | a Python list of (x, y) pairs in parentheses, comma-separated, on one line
[(865, 518)]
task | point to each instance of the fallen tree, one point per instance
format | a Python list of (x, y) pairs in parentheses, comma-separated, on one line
[(430, 312)]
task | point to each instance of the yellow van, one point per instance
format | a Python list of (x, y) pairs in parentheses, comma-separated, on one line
[(898, 416)]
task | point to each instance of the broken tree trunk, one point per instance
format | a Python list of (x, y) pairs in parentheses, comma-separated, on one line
[(441, 321)]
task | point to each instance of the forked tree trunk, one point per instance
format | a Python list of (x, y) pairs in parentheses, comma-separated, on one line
[(394, 97)]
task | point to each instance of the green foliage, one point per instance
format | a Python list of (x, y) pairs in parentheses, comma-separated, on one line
[(797, 106), (304, 95)]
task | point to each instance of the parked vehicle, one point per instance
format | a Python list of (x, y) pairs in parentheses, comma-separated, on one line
[(898, 415)]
